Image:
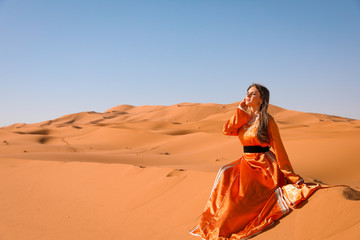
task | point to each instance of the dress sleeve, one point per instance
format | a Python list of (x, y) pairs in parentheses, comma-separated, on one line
[(232, 125), (281, 155)]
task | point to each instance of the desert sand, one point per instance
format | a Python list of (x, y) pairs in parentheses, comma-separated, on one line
[(146, 172)]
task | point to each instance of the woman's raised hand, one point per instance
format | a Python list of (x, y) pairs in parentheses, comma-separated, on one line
[(243, 104)]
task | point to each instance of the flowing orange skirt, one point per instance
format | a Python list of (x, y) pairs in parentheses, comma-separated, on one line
[(249, 195)]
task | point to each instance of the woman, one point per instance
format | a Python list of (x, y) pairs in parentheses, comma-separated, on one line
[(251, 193)]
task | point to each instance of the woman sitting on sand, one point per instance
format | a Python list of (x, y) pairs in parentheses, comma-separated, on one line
[(251, 193)]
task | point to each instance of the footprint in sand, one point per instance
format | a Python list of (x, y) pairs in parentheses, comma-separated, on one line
[(176, 172), (351, 194)]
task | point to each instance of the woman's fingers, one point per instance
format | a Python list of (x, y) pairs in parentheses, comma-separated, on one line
[(243, 104)]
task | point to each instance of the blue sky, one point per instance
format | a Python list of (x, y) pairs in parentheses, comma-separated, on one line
[(61, 57)]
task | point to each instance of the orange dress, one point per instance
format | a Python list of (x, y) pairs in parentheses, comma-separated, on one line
[(251, 193)]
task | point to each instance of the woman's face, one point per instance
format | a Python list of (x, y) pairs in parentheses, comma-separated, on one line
[(253, 98)]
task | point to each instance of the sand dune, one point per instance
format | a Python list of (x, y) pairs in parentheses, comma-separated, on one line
[(146, 172)]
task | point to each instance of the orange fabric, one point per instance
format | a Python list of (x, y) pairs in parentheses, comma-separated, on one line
[(251, 193)]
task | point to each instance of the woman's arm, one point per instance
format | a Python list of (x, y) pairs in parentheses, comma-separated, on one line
[(281, 155), (241, 117)]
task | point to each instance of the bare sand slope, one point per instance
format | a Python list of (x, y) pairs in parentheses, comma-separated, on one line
[(146, 173)]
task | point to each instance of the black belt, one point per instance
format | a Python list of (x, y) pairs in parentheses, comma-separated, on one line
[(256, 149)]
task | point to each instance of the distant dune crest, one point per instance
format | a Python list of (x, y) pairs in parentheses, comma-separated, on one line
[(183, 112)]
